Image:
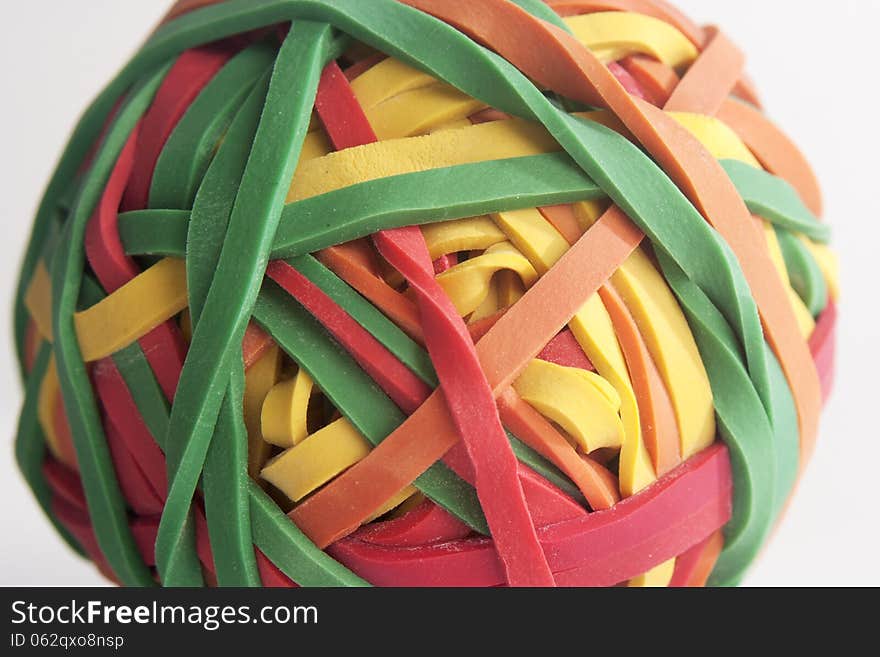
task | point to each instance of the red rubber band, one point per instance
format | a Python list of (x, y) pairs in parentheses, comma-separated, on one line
[(164, 346), (184, 82), (467, 392), (600, 549), (405, 388)]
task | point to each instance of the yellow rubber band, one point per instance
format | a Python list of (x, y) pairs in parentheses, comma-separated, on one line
[(613, 35), (672, 347), (480, 143), (387, 79), (121, 318), (658, 577), (505, 289), (450, 125), (468, 284), (132, 311), (416, 112), (259, 379), (476, 234), (577, 400), (46, 400), (38, 301), (719, 139), (316, 460), (285, 411)]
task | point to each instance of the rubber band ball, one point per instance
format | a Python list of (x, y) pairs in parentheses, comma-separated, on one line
[(425, 293)]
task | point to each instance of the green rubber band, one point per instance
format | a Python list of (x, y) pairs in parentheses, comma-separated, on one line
[(775, 200), (360, 210), (30, 446), (154, 232), (215, 201), (541, 10), (225, 483), (188, 152), (104, 498), (786, 434), (132, 364), (803, 270), (145, 390), (356, 395), (742, 422), (289, 549), (238, 274), (225, 500)]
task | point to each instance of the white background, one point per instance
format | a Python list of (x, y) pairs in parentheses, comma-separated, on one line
[(816, 68)]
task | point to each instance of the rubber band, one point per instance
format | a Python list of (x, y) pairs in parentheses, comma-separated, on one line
[(163, 344), (417, 360), (564, 350), (260, 381), (710, 79), (479, 143), (661, 11), (472, 234), (283, 414), (576, 401), (656, 413), (469, 283), (593, 329), (692, 568), (615, 35), (404, 388), (506, 185), (106, 508), (428, 434), (597, 484), (48, 394)]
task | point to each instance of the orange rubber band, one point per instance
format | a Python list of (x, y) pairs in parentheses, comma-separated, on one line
[(710, 79), (659, 426), (707, 560), (773, 149), (563, 219), (345, 262), (596, 482)]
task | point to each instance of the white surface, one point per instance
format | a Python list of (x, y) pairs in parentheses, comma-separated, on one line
[(816, 71)]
